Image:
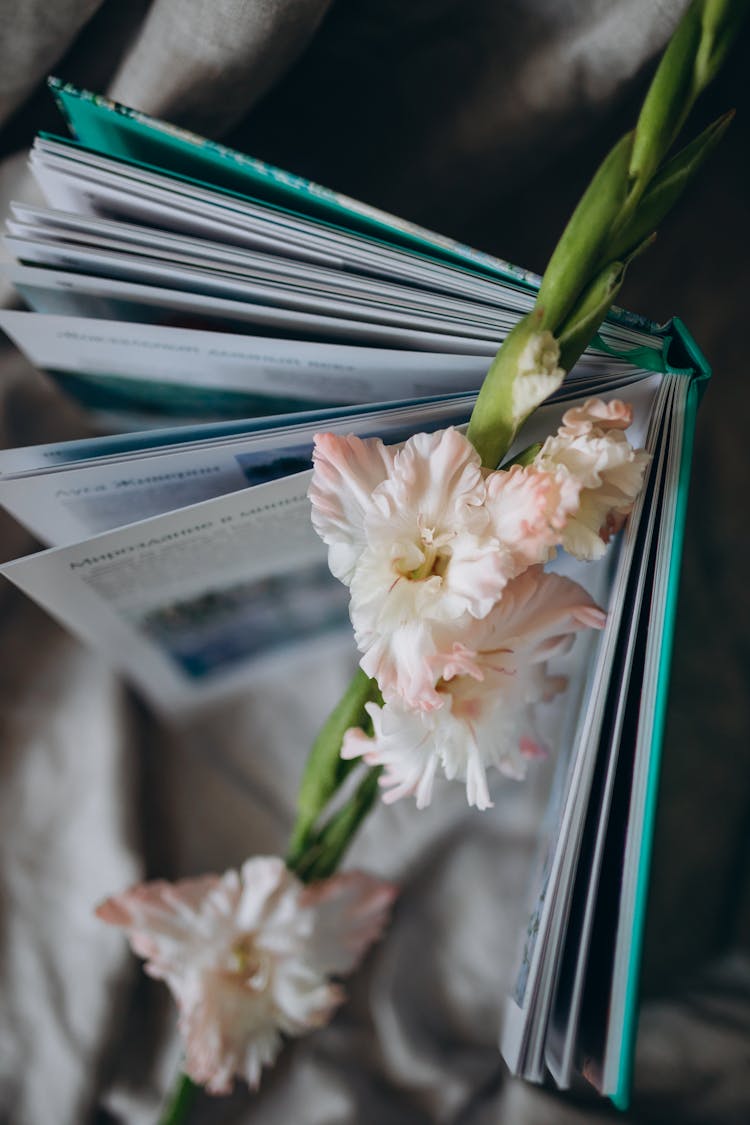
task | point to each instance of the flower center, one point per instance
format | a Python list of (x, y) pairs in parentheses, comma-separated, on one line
[(435, 552), (250, 964)]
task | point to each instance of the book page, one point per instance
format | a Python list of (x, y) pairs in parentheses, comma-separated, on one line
[(243, 365), (40, 225), (186, 605), (66, 506), (62, 506), (522, 1039)]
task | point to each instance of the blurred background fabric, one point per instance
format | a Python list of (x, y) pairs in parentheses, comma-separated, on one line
[(484, 121)]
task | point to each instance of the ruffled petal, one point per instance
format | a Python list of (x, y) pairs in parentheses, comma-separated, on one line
[(351, 911), (529, 508), (164, 920), (591, 448), (486, 687), (439, 476), (346, 471)]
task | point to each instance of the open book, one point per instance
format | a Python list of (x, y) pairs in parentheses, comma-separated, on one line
[(213, 313)]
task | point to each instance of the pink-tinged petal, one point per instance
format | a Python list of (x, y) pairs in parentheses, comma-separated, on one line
[(529, 509), (535, 607), (228, 1032), (346, 471), (591, 447), (351, 911), (612, 415), (531, 749), (413, 540), (160, 918), (262, 877), (491, 681), (457, 661), (355, 744), (402, 664), (476, 576), (442, 472)]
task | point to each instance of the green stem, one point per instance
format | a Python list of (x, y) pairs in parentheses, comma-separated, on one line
[(324, 854), (325, 769), (180, 1100)]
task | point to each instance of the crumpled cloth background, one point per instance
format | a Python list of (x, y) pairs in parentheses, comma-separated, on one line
[(484, 121)]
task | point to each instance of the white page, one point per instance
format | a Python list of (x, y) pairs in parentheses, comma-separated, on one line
[(122, 444), (91, 184), (41, 225), (175, 206), (561, 1038), (197, 576), (244, 364), (203, 556), (64, 506), (635, 846), (59, 292), (79, 452), (570, 842), (433, 336), (281, 293), (63, 503), (536, 970)]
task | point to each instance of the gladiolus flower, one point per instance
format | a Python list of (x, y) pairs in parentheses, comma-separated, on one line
[(488, 689), (426, 542), (248, 956), (591, 448)]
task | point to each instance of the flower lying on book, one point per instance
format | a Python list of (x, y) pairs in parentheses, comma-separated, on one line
[(249, 955), (451, 609), (498, 672), (591, 447)]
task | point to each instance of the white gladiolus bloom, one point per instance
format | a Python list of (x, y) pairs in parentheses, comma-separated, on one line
[(487, 691), (426, 542), (248, 956), (592, 449)]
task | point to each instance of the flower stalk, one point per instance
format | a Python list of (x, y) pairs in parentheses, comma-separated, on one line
[(324, 773), (180, 1100), (631, 192)]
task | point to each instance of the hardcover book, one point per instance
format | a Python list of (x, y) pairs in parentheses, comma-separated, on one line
[(212, 313)]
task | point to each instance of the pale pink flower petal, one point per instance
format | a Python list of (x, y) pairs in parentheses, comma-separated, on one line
[(595, 412), (592, 449), (248, 956), (529, 509), (351, 910), (346, 472), (495, 677)]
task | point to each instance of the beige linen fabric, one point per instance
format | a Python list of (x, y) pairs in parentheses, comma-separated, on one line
[(480, 118)]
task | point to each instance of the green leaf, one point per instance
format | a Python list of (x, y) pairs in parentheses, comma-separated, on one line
[(667, 103), (666, 188), (721, 21), (692, 59), (180, 1099), (580, 247)]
